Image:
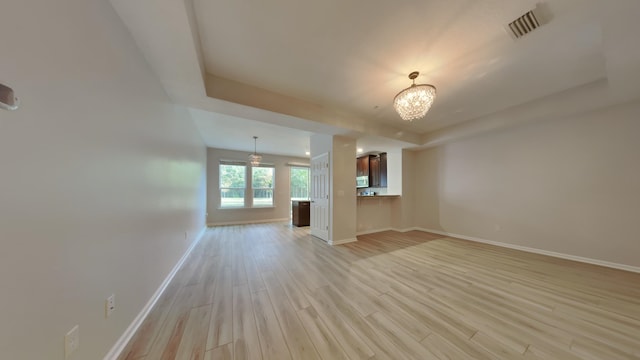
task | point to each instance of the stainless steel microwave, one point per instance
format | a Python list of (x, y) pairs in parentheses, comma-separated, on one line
[(362, 181)]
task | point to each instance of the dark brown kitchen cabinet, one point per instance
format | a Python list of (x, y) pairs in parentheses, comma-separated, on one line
[(383, 170), (374, 171), (301, 212), (374, 167), (362, 166)]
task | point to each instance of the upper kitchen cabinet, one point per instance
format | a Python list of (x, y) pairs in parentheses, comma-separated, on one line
[(374, 171), (383, 170), (374, 167), (362, 166)]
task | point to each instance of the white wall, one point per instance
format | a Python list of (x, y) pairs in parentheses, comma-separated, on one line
[(100, 176), (403, 212), (374, 213), (343, 174), (282, 204), (394, 172), (320, 144), (570, 185)]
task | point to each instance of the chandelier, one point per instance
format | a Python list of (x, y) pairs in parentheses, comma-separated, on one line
[(254, 158), (415, 101)]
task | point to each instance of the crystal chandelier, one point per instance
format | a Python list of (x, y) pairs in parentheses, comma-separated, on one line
[(254, 158), (414, 102)]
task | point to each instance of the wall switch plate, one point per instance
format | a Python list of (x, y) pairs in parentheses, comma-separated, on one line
[(71, 341), (109, 305)]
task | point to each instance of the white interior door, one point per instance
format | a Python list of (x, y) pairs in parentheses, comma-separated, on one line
[(320, 196)]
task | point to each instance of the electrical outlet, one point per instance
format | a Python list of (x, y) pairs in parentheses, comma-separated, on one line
[(109, 305), (71, 341)]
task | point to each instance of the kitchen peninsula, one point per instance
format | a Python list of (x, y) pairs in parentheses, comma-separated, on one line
[(379, 189)]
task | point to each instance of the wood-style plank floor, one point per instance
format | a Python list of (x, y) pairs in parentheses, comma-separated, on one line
[(271, 291)]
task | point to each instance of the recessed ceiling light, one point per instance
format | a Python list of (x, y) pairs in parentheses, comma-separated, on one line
[(307, 153), (359, 150)]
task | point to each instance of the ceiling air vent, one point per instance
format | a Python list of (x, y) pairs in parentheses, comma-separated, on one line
[(528, 22), (524, 24)]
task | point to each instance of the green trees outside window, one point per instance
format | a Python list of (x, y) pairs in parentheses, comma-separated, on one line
[(232, 185), (300, 184), (234, 181), (262, 185)]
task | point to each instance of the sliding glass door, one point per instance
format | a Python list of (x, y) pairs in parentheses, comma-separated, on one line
[(300, 183)]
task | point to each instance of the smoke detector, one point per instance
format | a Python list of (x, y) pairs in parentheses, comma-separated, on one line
[(528, 21)]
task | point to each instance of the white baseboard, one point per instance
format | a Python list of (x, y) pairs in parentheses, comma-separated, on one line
[(538, 251), (343, 241), (372, 231), (247, 222), (135, 324), (406, 229)]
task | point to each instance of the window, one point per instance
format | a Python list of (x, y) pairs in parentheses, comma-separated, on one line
[(262, 185), (232, 184), (300, 181)]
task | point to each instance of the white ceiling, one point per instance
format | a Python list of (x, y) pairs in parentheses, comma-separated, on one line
[(235, 133), (285, 69)]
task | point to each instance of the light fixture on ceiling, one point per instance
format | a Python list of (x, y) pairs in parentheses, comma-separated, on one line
[(8, 100), (415, 101), (254, 158)]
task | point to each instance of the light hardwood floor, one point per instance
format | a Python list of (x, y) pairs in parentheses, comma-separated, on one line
[(271, 291)]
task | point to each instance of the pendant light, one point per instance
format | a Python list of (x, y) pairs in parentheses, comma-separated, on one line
[(415, 101), (254, 158)]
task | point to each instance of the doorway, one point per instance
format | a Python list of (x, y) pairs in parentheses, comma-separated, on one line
[(300, 183)]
